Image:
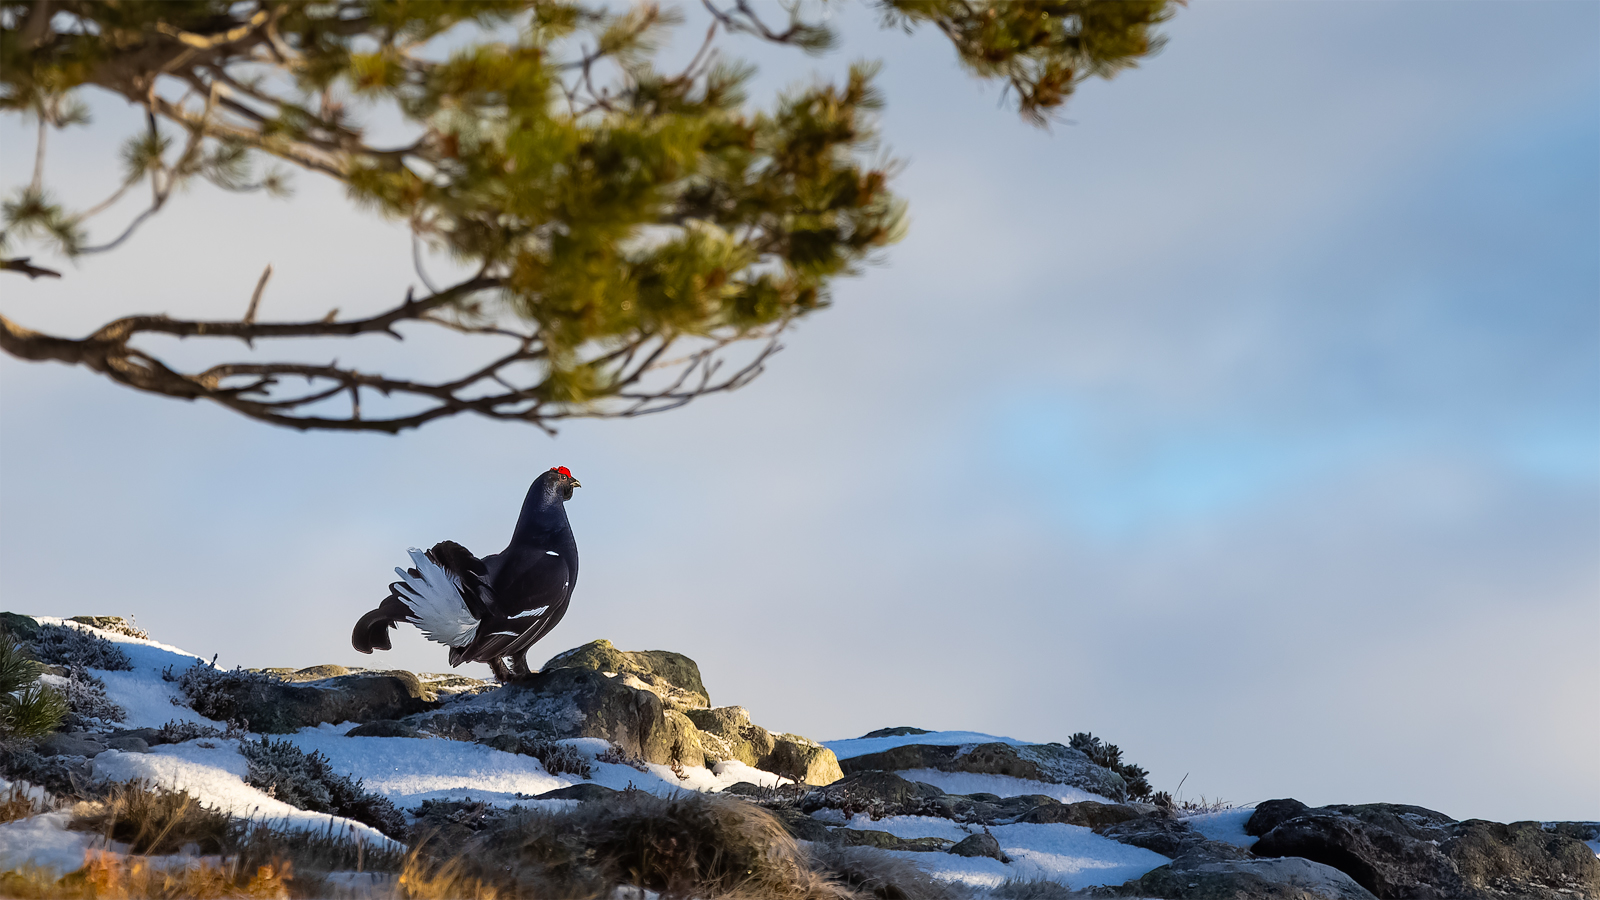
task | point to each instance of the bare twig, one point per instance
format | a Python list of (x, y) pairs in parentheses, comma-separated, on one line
[(21, 264), (255, 297)]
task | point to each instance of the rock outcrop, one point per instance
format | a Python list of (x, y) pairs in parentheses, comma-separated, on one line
[(1397, 851), (1049, 763), (652, 704)]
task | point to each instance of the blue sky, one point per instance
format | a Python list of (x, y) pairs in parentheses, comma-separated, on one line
[(1249, 419)]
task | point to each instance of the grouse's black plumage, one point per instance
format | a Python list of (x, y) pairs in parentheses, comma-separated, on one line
[(494, 608)]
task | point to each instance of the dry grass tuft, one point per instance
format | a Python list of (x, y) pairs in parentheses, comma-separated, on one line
[(111, 876), (153, 820), (869, 874), (18, 802)]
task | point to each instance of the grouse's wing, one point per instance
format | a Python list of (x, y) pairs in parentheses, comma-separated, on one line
[(470, 572), (529, 599)]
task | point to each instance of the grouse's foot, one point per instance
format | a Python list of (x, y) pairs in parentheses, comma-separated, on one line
[(519, 665), (498, 667)]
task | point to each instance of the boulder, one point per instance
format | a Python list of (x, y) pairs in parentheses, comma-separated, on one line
[(802, 760), (1204, 878), (113, 624), (63, 744), (675, 678), (384, 728), (877, 794), (150, 736), (1269, 814), (883, 840), (273, 706), (1522, 860), (1087, 813), (128, 745), (1168, 837), (983, 844), (572, 702), (726, 733), (1388, 863), (20, 626), (585, 791), (1049, 763), (897, 731)]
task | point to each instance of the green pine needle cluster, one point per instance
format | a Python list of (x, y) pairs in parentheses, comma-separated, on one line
[(28, 708), (606, 203)]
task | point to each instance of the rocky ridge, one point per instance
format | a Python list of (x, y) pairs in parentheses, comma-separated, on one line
[(653, 706)]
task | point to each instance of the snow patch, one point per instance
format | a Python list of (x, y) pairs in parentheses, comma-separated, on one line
[(45, 842), (1226, 826), (215, 776)]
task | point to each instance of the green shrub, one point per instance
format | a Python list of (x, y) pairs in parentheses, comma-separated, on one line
[(1110, 756), (88, 701), (307, 780), (64, 645)]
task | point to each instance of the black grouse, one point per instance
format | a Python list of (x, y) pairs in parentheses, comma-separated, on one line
[(490, 609)]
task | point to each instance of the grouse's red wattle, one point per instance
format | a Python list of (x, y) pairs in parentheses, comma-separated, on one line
[(491, 609)]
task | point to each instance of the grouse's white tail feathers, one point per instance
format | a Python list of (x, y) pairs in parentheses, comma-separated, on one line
[(435, 602)]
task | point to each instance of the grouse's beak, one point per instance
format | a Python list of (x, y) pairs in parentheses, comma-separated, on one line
[(575, 483)]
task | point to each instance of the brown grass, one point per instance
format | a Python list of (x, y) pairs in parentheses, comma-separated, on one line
[(16, 803), (111, 876), (154, 820)]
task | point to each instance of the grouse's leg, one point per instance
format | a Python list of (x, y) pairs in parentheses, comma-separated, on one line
[(498, 667), (519, 664)]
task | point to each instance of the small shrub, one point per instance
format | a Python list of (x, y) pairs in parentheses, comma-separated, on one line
[(1032, 889), (559, 759), (1110, 756), (307, 780), (222, 694), (27, 708), (53, 773), (176, 732), (154, 820), (618, 756), (65, 645), (18, 802), (88, 701), (874, 874)]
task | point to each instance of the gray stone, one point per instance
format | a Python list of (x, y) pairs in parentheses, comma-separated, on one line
[(1522, 860), (1049, 763), (883, 840), (272, 706), (20, 626), (877, 794), (1387, 863), (897, 731), (390, 728), (1087, 813), (113, 624), (726, 732), (1269, 814), (1189, 878), (571, 702), (802, 760), (1168, 837), (63, 744), (151, 736), (672, 676), (980, 845), (128, 745), (584, 791)]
